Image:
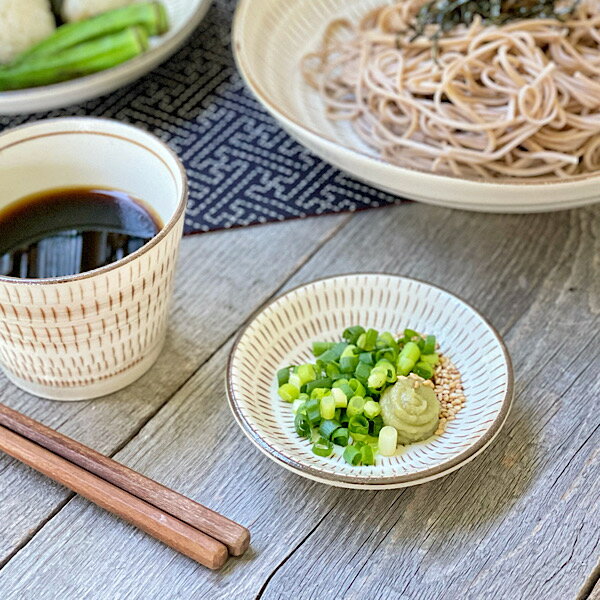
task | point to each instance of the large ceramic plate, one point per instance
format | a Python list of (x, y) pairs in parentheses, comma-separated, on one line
[(185, 16), (281, 334), (271, 36)]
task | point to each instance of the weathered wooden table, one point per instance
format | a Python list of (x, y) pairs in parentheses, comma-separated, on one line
[(520, 521)]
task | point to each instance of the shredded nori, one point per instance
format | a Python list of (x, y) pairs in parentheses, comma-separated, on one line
[(448, 14)]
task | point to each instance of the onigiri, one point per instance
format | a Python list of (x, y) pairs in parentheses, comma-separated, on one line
[(24, 23), (77, 10)]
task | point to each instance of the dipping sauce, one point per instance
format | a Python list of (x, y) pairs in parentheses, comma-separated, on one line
[(68, 231)]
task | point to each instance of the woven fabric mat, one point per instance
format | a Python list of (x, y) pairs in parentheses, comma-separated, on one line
[(243, 168)]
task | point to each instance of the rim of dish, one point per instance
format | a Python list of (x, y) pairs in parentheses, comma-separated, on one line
[(169, 44), (245, 70), (331, 476), (167, 227)]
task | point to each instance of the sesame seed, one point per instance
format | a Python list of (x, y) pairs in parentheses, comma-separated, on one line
[(447, 385)]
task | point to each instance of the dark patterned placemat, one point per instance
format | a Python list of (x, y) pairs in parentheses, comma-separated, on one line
[(243, 168)]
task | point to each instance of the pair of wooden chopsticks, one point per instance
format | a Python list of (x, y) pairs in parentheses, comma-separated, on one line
[(188, 527)]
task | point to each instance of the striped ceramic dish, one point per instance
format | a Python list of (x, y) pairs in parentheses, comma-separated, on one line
[(281, 333), (270, 37)]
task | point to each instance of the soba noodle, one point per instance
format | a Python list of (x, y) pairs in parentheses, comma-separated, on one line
[(522, 99)]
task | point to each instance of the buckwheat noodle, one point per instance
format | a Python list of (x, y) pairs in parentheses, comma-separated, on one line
[(517, 100)]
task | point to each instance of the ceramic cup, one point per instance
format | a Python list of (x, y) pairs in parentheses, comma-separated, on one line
[(87, 335)]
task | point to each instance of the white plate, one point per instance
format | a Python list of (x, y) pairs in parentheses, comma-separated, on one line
[(184, 15), (270, 66), (281, 334)]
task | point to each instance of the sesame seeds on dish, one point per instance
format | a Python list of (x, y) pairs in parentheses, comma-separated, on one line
[(449, 390)]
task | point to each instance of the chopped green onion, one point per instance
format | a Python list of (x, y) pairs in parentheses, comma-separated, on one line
[(367, 340), (346, 388), (388, 440), (348, 364), (302, 425), (327, 357), (386, 340), (351, 334), (324, 382), (429, 345), (332, 370), (334, 352), (319, 393), (408, 358), (371, 409), (323, 447), (367, 456), (363, 370), (356, 406), (376, 425), (327, 407), (339, 394), (306, 373), (366, 357), (432, 359), (358, 424), (352, 456), (283, 376), (288, 392), (313, 411), (319, 347), (340, 398), (294, 379), (349, 350), (377, 378), (358, 389), (327, 427), (388, 354), (340, 436), (423, 369), (389, 369), (298, 404)]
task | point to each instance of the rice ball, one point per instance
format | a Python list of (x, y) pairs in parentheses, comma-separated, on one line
[(77, 10), (23, 23)]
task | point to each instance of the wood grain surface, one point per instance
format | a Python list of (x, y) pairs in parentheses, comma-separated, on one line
[(162, 526), (521, 521), (233, 535)]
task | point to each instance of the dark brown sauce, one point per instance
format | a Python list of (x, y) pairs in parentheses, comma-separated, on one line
[(73, 230)]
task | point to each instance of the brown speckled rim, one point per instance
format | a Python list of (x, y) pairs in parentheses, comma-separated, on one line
[(95, 126), (279, 113), (369, 482), (172, 43)]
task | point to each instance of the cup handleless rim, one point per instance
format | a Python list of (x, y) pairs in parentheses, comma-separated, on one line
[(108, 128)]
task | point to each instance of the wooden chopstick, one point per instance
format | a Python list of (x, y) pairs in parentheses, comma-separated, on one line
[(231, 534), (173, 532)]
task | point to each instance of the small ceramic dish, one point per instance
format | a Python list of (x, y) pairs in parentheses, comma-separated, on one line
[(281, 333), (184, 16)]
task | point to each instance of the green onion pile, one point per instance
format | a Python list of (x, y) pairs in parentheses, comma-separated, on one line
[(82, 48), (336, 398)]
